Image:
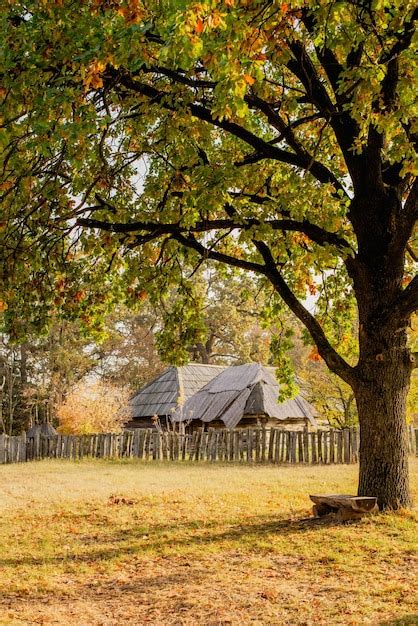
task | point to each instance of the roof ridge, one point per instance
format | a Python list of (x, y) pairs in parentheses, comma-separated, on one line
[(194, 363)]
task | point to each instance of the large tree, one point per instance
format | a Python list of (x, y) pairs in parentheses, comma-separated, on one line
[(144, 136)]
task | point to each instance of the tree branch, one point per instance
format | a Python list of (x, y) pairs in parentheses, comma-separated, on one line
[(317, 234), (263, 148), (207, 253), (408, 300), (331, 357), (343, 125)]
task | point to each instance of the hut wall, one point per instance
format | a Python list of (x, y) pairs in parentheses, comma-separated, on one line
[(256, 421)]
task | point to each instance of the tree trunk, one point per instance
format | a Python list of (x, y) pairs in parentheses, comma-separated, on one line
[(384, 369), (381, 401)]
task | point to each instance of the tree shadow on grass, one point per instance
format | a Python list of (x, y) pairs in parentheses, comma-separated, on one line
[(405, 620), (159, 537)]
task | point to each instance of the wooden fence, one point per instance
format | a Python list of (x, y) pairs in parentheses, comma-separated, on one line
[(249, 445)]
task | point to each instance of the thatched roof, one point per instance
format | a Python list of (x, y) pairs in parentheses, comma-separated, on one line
[(45, 429), (243, 390), (161, 395)]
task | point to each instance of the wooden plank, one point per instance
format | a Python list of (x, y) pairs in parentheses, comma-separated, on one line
[(263, 445), (350, 445), (339, 437), (355, 445), (146, 442), (74, 448), (294, 447), (257, 445), (141, 443), (203, 445), (325, 444), (129, 444), (277, 446), (96, 446), (81, 447), (305, 437), (282, 450), (346, 439), (331, 446), (155, 446), (3, 443), (235, 445), (270, 454), (314, 448), (320, 455), (197, 445), (299, 435), (248, 444), (224, 445)]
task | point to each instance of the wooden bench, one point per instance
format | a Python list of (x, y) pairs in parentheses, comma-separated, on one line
[(346, 507)]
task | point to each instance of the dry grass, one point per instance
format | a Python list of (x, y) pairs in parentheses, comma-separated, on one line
[(127, 543)]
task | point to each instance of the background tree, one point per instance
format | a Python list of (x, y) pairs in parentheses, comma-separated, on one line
[(229, 327), (333, 399), (141, 138), (94, 408)]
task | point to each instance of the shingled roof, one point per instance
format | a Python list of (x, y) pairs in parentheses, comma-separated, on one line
[(160, 396), (243, 390)]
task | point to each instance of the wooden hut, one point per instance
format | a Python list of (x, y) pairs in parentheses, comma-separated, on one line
[(245, 395), (166, 392)]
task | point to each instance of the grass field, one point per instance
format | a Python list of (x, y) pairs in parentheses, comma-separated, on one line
[(99, 542)]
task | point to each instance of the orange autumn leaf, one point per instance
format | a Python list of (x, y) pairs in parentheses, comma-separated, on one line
[(314, 354), (93, 77), (199, 26), (142, 295), (6, 185), (260, 57), (312, 288), (249, 79)]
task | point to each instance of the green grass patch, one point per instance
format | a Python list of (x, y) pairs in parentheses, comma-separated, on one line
[(102, 542)]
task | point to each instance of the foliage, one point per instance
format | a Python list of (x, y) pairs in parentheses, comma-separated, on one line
[(333, 399), (111, 99), (93, 408), (226, 315), (13, 376)]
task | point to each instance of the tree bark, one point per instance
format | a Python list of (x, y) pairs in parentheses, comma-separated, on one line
[(381, 406), (383, 380)]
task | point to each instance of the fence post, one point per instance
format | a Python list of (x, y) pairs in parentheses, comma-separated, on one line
[(3, 448)]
